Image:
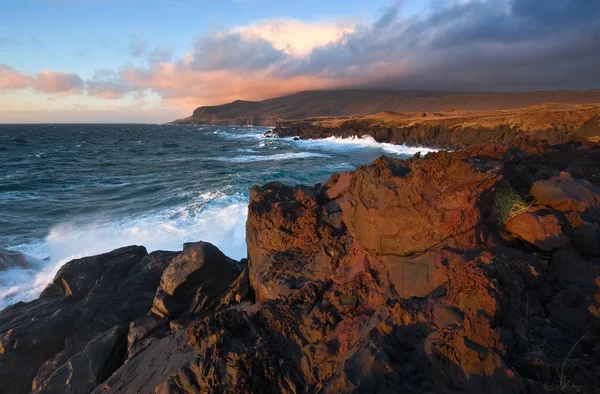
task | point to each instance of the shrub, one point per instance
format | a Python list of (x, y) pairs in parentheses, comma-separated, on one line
[(507, 204)]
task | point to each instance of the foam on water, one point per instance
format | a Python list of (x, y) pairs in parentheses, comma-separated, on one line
[(162, 187), (337, 143), (277, 157), (221, 221)]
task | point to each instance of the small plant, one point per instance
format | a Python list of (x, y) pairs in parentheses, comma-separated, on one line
[(522, 322), (507, 204), (563, 380)]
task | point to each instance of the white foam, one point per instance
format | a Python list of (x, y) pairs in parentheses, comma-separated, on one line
[(242, 134), (337, 143), (215, 218), (277, 157)]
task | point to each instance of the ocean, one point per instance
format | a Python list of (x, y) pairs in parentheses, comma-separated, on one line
[(68, 191)]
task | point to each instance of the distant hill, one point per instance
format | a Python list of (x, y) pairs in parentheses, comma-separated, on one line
[(312, 104)]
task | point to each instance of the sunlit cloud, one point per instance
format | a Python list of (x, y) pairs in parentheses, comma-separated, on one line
[(458, 45), (50, 82), (296, 37)]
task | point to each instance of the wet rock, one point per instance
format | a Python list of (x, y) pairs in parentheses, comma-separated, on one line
[(12, 259)]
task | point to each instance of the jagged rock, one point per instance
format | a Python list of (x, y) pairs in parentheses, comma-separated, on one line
[(389, 278), (84, 371), (150, 367), (543, 231), (83, 301), (199, 275)]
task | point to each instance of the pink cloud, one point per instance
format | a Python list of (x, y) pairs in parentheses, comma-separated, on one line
[(182, 86), (51, 82)]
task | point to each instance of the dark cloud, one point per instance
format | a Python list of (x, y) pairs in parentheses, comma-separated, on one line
[(492, 45), (232, 51)]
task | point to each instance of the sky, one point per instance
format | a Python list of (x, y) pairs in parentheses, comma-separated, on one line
[(157, 60)]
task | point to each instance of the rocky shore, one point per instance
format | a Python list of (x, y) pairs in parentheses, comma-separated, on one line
[(551, 123), (470, 271)]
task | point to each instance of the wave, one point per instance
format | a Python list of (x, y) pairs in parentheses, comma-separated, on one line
[(337, 143), (215, 217), (242, 133), (277, 157)]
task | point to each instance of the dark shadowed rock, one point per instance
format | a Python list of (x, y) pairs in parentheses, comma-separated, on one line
[(83, 372), (197, 276), (87, 297), (12, 259)]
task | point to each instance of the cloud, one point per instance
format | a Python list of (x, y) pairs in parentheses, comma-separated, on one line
[(295, 37), (107, 84), (233, 51), (458, 45), (137, 46), (50, 82)]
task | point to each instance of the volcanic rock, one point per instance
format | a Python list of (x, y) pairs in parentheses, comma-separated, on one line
[(543, 231), (389, 278)]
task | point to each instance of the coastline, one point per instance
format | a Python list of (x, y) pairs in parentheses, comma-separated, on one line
[(393, 276), (551, 123)]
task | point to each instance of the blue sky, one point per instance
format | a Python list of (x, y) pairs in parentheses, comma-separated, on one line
[(57, 34), (151, 61)]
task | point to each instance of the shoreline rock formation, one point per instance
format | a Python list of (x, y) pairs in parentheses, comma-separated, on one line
[(469, 271), (551, 123)]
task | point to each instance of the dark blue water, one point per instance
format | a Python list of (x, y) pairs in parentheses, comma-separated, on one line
[(73, 190)]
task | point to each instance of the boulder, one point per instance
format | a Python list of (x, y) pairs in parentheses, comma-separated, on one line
[(199, 275), (13, 259), (542, 230), (586, 238), (566, 193)]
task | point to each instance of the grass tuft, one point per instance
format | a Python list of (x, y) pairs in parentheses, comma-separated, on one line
[(507, 204)]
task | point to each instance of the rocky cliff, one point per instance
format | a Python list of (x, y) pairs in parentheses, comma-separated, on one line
[(552, 123), (472, 271)]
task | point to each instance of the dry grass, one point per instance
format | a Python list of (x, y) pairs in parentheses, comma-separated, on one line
[(507, 204)]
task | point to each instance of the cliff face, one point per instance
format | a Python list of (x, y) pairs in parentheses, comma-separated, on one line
[(457, 129), (369, 102), (432, 274)]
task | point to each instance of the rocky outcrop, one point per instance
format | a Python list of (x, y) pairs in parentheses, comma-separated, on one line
[(395, 277), (12, 259)]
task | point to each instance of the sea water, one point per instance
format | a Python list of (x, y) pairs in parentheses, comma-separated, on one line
[(68, 191)]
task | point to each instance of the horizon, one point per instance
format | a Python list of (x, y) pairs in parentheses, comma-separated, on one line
[(75, 61)]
